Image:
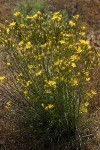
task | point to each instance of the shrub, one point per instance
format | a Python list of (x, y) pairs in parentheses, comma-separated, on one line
[(50, 64)]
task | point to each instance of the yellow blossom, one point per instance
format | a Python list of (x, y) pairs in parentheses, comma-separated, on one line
[(72, 24), (9, 103), (73, 65), (83, 28), (25, 92), (73, 57), (57, 17), (2, 78), (28, 45), (62, 42), (59, 62), (17, 14), (50, 106), (42, 105), (34, 16), (82, 33), (38, 73), (8, 64), (51, 83), (30, 66), (84, 42), (8, 30), (22, 25), (93, 92), (87, 79), (74, 82), (21, 43), (7, 107), (29, 83), (79, 50), (84, 109), (78, 73), (76, 17), (86, 104), (12, 24), (89, 95), (20, 74), (86, 73)]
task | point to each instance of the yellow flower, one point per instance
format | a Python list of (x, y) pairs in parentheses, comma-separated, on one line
[(50, 106), (9, 103), (73, 57), (22, 25), (87, 79), (17, 14), (89, 95), (52, 83), (28, 45), (39, 13), (56, 13), (29, 83), (20, 75), (38, 73), (30, 66), (86, 73), (78, 73), (21, 43), (8, 64), (73, 65), (8, 30), (84, 109), (34, 16), (86, 104), (7, 107), (79, 50), (84, 42), (12, 24), (43, 105), (59, 62), (57, 17), (76, 17), (82, 33), (62, 42), (2, 78), (83, 28), (25, 92), (93, 92), (72, 24), (74, 82)]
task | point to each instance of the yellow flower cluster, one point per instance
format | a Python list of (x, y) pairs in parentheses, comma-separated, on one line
[(2, 78), (49, 106), (8, 104), (57, 16), (52, 59)]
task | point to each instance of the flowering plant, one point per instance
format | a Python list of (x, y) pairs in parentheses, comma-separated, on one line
[(51, 63)]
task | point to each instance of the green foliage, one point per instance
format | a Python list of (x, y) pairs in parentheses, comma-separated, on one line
[(50, 63), (31, 7)]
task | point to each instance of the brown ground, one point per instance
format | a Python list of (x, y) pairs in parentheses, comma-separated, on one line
[(89, 11)]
